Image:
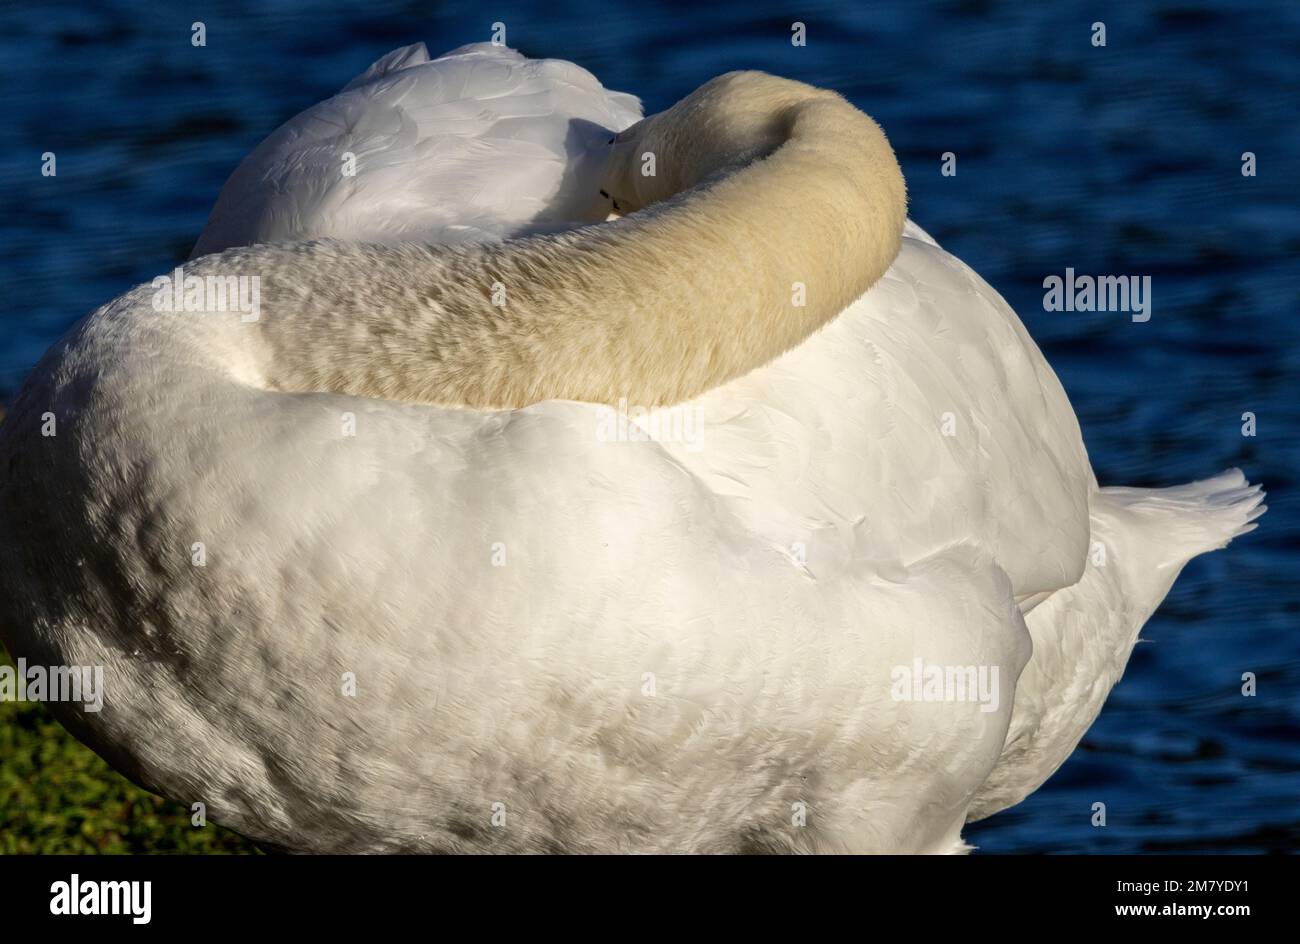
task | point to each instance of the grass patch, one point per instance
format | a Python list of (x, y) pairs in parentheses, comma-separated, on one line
[(58, 796)]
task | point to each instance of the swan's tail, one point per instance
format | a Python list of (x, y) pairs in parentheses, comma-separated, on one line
[(1083, 634), (1198, 517)]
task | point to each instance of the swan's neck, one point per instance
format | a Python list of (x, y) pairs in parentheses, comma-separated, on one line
[(770, 207)]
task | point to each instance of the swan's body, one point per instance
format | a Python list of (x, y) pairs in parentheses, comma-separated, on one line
[(561, 642)]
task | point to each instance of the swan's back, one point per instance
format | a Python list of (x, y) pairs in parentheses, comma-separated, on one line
[(479, 144), (923, 416)]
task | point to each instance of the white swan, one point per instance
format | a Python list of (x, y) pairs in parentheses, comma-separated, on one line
[(558, 641)]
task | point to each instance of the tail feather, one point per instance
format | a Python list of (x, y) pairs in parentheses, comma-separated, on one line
[(1083, 634), (1199, 516)]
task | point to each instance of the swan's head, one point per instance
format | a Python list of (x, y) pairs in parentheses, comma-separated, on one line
[(726, 123), (637, 174)]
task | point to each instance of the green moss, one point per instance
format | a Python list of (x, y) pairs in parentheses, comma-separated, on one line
[(58, 796)]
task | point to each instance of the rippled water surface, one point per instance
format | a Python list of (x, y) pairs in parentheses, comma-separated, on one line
[(1124, 159)]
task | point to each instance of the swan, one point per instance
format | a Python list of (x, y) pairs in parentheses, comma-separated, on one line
[(366, 576)]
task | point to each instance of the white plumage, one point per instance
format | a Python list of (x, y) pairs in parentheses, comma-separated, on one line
[(559, 641), (481, 143)]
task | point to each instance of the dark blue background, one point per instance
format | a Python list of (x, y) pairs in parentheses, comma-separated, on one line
[(1117, 160)]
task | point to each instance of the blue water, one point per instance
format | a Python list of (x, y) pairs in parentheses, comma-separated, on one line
[(1123, 159)]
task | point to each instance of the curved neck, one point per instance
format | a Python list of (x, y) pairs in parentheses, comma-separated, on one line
[(772, 206)]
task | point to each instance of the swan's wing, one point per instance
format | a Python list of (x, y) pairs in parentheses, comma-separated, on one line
[(922, 417), (572, 630), (481, 143)]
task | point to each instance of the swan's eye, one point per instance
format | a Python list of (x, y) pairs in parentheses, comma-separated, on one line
[(604, 194)]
